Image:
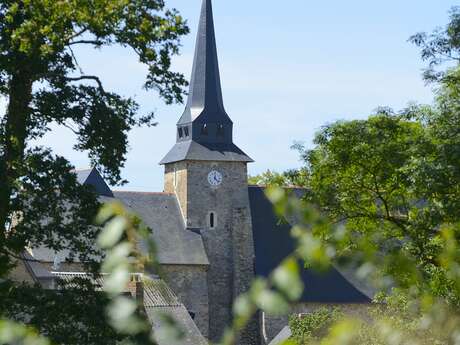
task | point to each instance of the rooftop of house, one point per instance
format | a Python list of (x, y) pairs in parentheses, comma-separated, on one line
[(272, 242), (282, 336), (157, 298)]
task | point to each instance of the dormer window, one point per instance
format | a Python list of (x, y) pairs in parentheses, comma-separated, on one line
[(204, 129), (186, 131), (220, 131), (180, 132)]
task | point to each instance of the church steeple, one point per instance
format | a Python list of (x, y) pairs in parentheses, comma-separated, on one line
[(205, 94), (205, 131), (208, 174)]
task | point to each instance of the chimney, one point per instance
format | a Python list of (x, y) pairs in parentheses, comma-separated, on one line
[(140, 293), (136, 287)]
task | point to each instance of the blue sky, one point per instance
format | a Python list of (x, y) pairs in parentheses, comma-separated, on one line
[(287, 68)]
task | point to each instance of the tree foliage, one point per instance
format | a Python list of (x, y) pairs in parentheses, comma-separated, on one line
[(441, 48), (307, 328), (289, 178), (392, 323), (389, 188), (41, 202), (120, 320)]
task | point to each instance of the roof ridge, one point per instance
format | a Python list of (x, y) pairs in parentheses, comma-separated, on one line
[(137, 192), (267, 186)]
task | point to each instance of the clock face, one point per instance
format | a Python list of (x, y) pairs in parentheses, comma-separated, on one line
[(215, 178)]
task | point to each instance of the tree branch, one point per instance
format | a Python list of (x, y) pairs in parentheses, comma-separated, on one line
[(78, 33), (88, 77), (93, 42), (75, 60), (69, 127)]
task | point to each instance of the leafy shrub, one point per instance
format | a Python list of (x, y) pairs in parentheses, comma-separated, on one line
[(307, 328)]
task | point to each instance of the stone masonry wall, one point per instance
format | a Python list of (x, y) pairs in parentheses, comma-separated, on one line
[(189, 283), (222, 200), (243, 256), (176, 182), (229, 244)]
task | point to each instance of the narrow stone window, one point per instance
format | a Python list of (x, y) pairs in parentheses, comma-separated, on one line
[(204, 129), (181, 132), (212, 220), (220, 131), (186, 131)]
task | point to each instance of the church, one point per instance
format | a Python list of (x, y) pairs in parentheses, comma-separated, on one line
[(213, 231)]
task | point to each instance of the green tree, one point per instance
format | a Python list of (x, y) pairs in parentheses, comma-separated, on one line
[(43, 84), (393, 179), (389, 187), (364, 174), (314, 326), (289, 178), (441, 48)]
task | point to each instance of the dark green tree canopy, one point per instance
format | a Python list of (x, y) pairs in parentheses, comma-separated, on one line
[(289, 178), (43, 84), (392, 181), (37, 39)]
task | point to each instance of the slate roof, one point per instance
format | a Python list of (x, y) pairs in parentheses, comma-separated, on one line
[(282, 336), (192, 335), (159, 300), (205, 131), (68, 279), (273, 243), (205, 93), (45, 254), (161, 212), (93, 178), (38, 271), (193, 150), (156, 292)]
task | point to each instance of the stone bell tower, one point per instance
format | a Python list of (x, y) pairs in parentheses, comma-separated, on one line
[(208, 174)]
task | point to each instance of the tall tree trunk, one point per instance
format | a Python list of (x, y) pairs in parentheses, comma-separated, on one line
[(14, 143)]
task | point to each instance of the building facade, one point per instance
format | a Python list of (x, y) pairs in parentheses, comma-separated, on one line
[(214, 233)]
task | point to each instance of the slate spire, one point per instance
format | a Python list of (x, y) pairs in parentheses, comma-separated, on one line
[(205, 131), (205, 93)]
